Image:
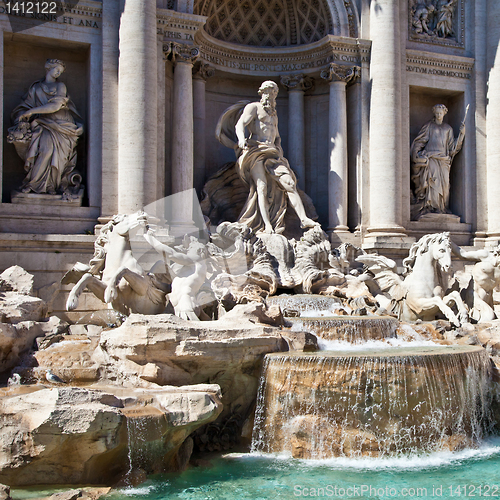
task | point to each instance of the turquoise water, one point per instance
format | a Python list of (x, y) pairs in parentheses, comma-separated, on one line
[(466, 474)]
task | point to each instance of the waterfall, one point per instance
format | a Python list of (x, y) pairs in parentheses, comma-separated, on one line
[(349, 329), (145, 442), (373, 403)]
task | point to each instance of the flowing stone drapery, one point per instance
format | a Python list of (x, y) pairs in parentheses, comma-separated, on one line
[(297, 85), (338, 76), (493, 115), (137, 106), (385, 123), (201, 73), (183, 56)]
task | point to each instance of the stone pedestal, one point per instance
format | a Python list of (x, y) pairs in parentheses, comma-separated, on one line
[(296, 86), (48, 200)]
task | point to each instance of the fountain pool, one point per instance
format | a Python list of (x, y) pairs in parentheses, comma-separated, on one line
[(249, 476)]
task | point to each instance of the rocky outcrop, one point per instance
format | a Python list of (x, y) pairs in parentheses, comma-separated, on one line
[(22, 317), (147, 351), (81, 435)]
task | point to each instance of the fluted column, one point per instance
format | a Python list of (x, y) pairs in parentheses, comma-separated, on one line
[(201, 73), (137, 102), (338, 76), (184, 56), (296, 86), (385, 134), (493, 119)]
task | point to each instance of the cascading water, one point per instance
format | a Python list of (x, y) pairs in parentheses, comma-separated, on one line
[(393, 401), (347, 328), (145, 441)]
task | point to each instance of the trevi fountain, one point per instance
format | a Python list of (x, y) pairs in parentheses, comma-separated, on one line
[(249, 249)]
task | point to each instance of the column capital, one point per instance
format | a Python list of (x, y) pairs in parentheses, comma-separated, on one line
[(202, 71), (339, 73), (297, 82), (181, 52)]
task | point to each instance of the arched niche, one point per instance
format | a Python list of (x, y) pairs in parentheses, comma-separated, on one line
[(277, 23)]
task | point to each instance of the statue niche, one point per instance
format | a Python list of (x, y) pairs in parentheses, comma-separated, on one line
[(45, 134), (432, 154)]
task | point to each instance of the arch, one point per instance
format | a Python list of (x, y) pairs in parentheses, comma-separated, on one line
[(271, 23)]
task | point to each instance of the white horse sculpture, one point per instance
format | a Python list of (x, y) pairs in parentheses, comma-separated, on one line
[(421, 294), (114, 275)]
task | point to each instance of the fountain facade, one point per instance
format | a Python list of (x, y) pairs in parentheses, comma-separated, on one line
[(373, 403)]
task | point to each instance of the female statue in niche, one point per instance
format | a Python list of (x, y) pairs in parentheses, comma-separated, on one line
[(432, 153), (45, 134)]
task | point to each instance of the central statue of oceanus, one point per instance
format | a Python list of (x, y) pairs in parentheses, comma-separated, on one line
[(251, 129)]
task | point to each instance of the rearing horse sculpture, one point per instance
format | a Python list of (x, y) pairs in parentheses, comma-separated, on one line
[(421, 294), (114, 275)]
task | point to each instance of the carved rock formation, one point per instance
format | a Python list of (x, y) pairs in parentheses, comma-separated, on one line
[(76, 435)]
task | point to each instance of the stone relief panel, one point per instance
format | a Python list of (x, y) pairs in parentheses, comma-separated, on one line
[(436, 21)]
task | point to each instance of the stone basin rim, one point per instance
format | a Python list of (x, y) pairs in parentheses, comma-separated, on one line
[(339, 317), (386, 352)]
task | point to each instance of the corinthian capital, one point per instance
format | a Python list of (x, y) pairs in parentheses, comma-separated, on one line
[(297, 82), (203, 71), (338, 73), (181, 52)]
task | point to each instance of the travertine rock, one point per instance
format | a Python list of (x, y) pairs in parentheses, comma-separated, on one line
[(79, 435), (16, 307), (16, 279), (4, 492), (18, 338), (163, 349)]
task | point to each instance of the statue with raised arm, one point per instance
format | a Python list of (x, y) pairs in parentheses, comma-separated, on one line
[(251, 129), (45, 133), (486, 277), (432, 154), (189, 275)]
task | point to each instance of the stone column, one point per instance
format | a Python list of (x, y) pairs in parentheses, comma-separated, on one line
[(137, 103), (184, 56), (385, 134), (201, 72), (493, 119), (1, 112), (338, 76), (296, 155), (94, 130), (110, 53)]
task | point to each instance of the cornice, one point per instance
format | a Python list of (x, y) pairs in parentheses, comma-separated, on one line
[(432, 63), (307, 59)]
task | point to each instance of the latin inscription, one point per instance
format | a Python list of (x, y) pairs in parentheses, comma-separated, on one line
[(175, 35), (54, 18), (438, 72)]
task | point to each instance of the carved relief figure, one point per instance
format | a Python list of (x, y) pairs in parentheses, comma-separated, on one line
[(432, 153), (433, 18), (189, 275), (421, 18), (45, 134), (486, 277), (445, 12), (260, 163)]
